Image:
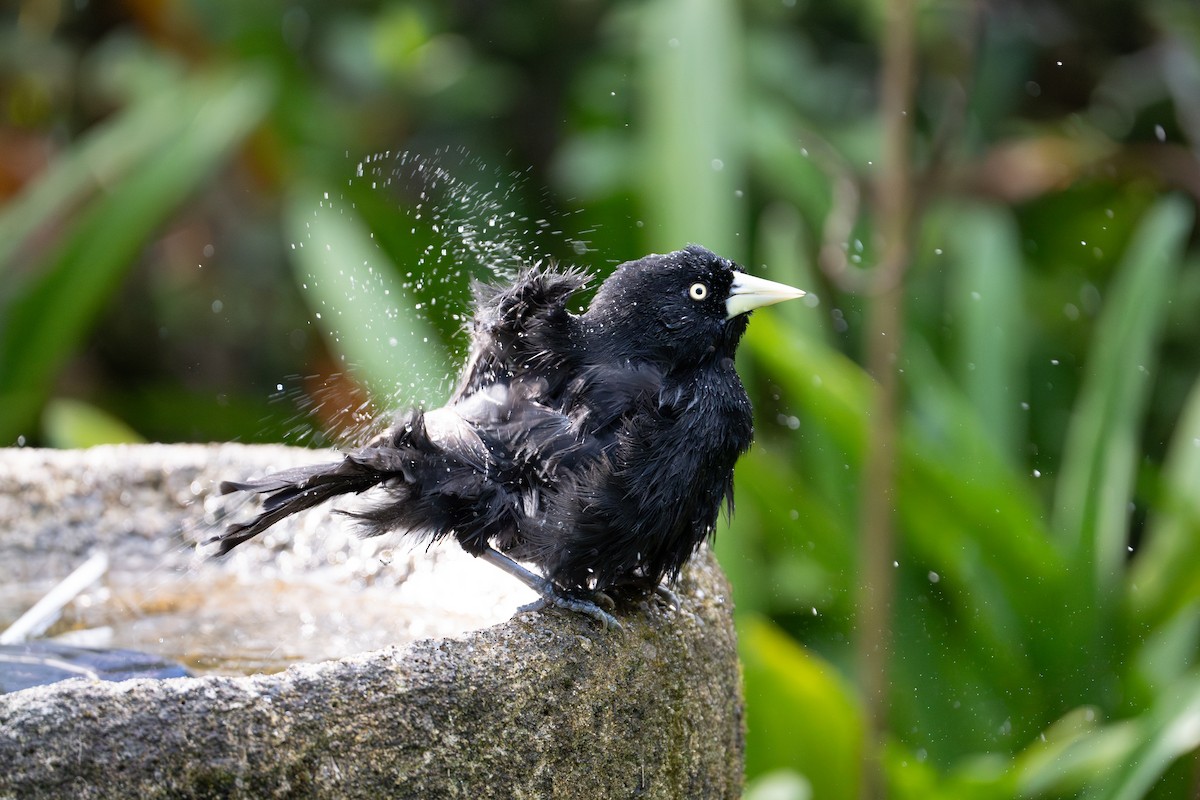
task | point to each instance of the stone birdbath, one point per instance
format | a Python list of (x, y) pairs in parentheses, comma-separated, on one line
[(328, 666)]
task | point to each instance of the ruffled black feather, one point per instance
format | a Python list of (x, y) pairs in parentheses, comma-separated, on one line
[(599, 446)]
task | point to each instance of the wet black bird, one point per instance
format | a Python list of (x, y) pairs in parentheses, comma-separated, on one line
[(598, 447)]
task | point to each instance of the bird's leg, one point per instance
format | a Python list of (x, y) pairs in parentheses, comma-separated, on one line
[(549, 593)]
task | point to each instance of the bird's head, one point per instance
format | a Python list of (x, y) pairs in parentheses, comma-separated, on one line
[(679, 308)]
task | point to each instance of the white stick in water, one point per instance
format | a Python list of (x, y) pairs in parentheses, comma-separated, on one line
[(45, 611)]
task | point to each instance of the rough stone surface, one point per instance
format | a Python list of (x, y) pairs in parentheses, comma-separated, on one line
[(542, 705)]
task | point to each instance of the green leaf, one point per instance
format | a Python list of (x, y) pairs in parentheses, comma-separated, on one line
[(103, 156), (967, 516), (1162, 653), (366, 313), (985, 301), (1078, 756), (912, 776), (1164, 577), (1096, 483), (793, 172), (46, 317), (799, 714), (692, 163), (1168, 731), (1073, 752), (831, 389), (786, 550), (978, 523), (70, 423), (782, 247)]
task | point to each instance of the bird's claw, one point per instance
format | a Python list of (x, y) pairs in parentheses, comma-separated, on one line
[(668, 597), (604, 600), (578, 605)]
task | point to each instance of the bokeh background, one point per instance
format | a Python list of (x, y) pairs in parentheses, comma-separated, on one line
[(189, 187)]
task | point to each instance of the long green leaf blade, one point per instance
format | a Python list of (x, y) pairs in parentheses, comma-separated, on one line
[(787, 691), (1164, 577), (1096, 483), (692, 162), (1168, 731), (360, 305), (986, 303), (45, 321), (101, 158)]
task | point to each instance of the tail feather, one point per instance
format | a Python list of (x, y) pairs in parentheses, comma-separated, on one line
[(294, 490), (430, 489)]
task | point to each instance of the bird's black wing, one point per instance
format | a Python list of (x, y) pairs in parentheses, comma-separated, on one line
[(471, 468), (521, 328)]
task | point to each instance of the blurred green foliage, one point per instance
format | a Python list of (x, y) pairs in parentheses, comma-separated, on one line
[(189, 252)]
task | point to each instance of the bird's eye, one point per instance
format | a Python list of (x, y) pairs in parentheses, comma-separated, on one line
[(698, 291)]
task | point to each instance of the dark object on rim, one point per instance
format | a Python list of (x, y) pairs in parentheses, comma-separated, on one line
[(598, 447), (43, 662)]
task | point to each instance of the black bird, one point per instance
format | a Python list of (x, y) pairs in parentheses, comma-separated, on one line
[(598, 447)]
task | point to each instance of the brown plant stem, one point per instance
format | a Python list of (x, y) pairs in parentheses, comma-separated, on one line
[(893, 211)]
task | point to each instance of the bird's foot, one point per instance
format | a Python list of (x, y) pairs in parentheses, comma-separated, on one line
[(667, 596), (554, 597), (551, 594)]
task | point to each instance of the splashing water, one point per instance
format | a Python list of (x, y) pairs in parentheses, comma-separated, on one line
[(385, 265)]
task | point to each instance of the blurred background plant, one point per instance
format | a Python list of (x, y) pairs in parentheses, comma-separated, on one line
[(163, 166)]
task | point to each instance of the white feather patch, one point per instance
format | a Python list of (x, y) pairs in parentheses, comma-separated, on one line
[(452, 433)]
